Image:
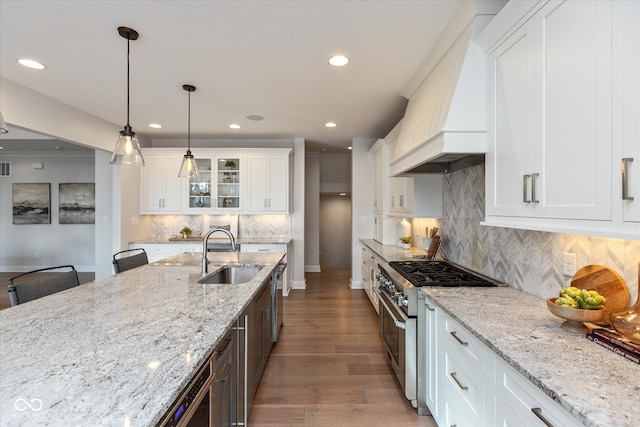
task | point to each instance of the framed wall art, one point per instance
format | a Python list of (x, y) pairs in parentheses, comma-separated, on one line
[(32, 203), (77, 203)]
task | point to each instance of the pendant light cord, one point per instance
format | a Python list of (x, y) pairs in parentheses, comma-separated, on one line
[(189, 124), (128, 42)]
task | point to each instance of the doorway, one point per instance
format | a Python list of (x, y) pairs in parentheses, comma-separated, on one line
[(335, 232)]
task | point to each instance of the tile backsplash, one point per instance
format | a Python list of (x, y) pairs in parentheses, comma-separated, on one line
[(162, 227), (527, 260)]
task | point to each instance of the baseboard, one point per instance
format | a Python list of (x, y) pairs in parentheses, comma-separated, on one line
[(299, 284), (25, 268), (355, 284), (312, 269)]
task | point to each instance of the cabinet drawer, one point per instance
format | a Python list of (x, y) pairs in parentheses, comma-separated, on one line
[(459, 340), (159, 249), (464, 384), (522, 397)]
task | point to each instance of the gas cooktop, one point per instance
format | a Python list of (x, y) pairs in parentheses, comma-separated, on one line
[(439, 273)]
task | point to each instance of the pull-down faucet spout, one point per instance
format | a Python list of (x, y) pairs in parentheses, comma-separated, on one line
[(204, 246)]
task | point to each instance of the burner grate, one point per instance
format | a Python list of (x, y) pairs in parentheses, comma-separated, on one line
[(438, 273)]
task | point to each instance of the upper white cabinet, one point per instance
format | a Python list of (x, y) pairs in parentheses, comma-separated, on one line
[(553, 158), (230, 181), (416, 197), (268, 183), (218, 188), (160, 187)]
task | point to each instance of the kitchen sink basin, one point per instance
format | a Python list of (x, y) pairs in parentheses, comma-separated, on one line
[(232, 275)]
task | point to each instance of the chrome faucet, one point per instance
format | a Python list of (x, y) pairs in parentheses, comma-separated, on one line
[(204, 246)]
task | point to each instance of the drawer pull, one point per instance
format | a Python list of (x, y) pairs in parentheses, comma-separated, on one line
[(429, 307), (455, 378), (455, 335), (538, 413), (625, 178)]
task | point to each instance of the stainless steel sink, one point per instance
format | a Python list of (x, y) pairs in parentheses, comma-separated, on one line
[(232, 275)]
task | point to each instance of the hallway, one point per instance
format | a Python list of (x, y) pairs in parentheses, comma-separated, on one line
[(329, 367)]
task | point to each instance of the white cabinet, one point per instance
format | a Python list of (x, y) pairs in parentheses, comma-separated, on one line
[(369, 269), (270, 247), (563, 113), (379, 154), (462, 382), (160, 187), (159, 251), (267, 183), (218, 188), (416, 197), (626, 114), (550, 88), (519, 403)]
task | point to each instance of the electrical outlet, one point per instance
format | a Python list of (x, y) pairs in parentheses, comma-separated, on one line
[(569, 262)]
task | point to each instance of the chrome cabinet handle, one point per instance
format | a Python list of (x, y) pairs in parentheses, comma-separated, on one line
[(455, 335), (538, 413), (401, 201), (524, 188), (455, 378), (625, 178), (393, 201), (533, 188), (429, 307)]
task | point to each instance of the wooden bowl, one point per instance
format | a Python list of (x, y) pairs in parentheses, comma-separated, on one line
[(575, 317)]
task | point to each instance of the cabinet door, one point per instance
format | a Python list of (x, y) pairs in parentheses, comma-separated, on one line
[(160, 186), (431, 353), (575, 150), (200, 188), (278, 179), (228, 180), (511, 71), (629, 92), (256, 199)]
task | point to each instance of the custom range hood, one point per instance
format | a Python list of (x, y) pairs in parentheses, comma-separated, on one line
[(444, 126)]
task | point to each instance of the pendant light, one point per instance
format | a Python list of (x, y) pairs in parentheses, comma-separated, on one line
[(127, 151), (188, 168)]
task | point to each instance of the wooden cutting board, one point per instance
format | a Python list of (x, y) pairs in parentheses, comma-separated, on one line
[(607, 283)]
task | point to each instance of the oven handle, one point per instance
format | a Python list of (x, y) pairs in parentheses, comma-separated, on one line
[(399, 324)]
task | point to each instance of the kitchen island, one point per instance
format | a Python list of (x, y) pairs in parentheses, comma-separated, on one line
[(118, 351)]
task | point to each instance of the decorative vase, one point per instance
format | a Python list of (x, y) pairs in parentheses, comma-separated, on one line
[(406, 245), (627, 322)]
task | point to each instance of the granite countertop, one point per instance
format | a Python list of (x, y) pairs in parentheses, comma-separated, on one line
[(118, 351), (240, 241), (596, 386)]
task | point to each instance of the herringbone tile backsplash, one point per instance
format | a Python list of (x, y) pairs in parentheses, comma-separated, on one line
[(527, 260)]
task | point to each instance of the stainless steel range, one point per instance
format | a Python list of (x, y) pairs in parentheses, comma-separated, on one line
[(399, 285)]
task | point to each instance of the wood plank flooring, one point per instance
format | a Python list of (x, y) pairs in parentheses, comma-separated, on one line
[(329, 367)]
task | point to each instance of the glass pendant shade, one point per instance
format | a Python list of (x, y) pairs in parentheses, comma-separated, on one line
[(189, 167), (127, 151)]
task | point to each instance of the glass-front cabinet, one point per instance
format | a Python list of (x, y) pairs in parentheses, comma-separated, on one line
[(218, 186)]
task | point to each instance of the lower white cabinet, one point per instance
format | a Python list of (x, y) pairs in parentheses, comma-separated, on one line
[(370, 282), (520, 403), (271, 247), (462, 382), (158, 251)]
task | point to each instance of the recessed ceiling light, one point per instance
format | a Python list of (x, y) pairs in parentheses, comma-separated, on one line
[(349, 148), (31, 63), (330, 125), (338, 60), (155, 125), (343, 194), (255, 117), (234, 126)]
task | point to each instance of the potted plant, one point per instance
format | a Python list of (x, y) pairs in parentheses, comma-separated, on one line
[(406, 242), (186, 232), (230, 164)]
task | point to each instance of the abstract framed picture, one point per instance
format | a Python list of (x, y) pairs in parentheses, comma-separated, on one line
[(32, 203), (77, 203)]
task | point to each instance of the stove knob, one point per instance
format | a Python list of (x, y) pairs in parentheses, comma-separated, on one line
[(405, 302)]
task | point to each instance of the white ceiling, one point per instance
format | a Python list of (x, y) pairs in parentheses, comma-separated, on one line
[(267, 58)]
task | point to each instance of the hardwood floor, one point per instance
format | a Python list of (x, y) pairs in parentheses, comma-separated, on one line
[(83, 277), (329, 367)]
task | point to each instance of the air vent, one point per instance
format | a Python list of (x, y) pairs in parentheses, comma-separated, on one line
[(5, 169)]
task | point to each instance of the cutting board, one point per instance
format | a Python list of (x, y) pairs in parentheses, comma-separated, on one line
[(607, 283)]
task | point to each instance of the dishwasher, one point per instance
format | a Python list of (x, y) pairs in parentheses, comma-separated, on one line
[(209, 398)]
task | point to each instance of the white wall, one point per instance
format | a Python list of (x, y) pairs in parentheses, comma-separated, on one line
[(335, 173), (361, 201), (27, 247), (104, 215), (312, 213)]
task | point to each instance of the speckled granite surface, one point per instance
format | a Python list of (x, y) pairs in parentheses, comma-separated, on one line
[(253, 240), (391, 253), (597, 386), (88, 356)]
